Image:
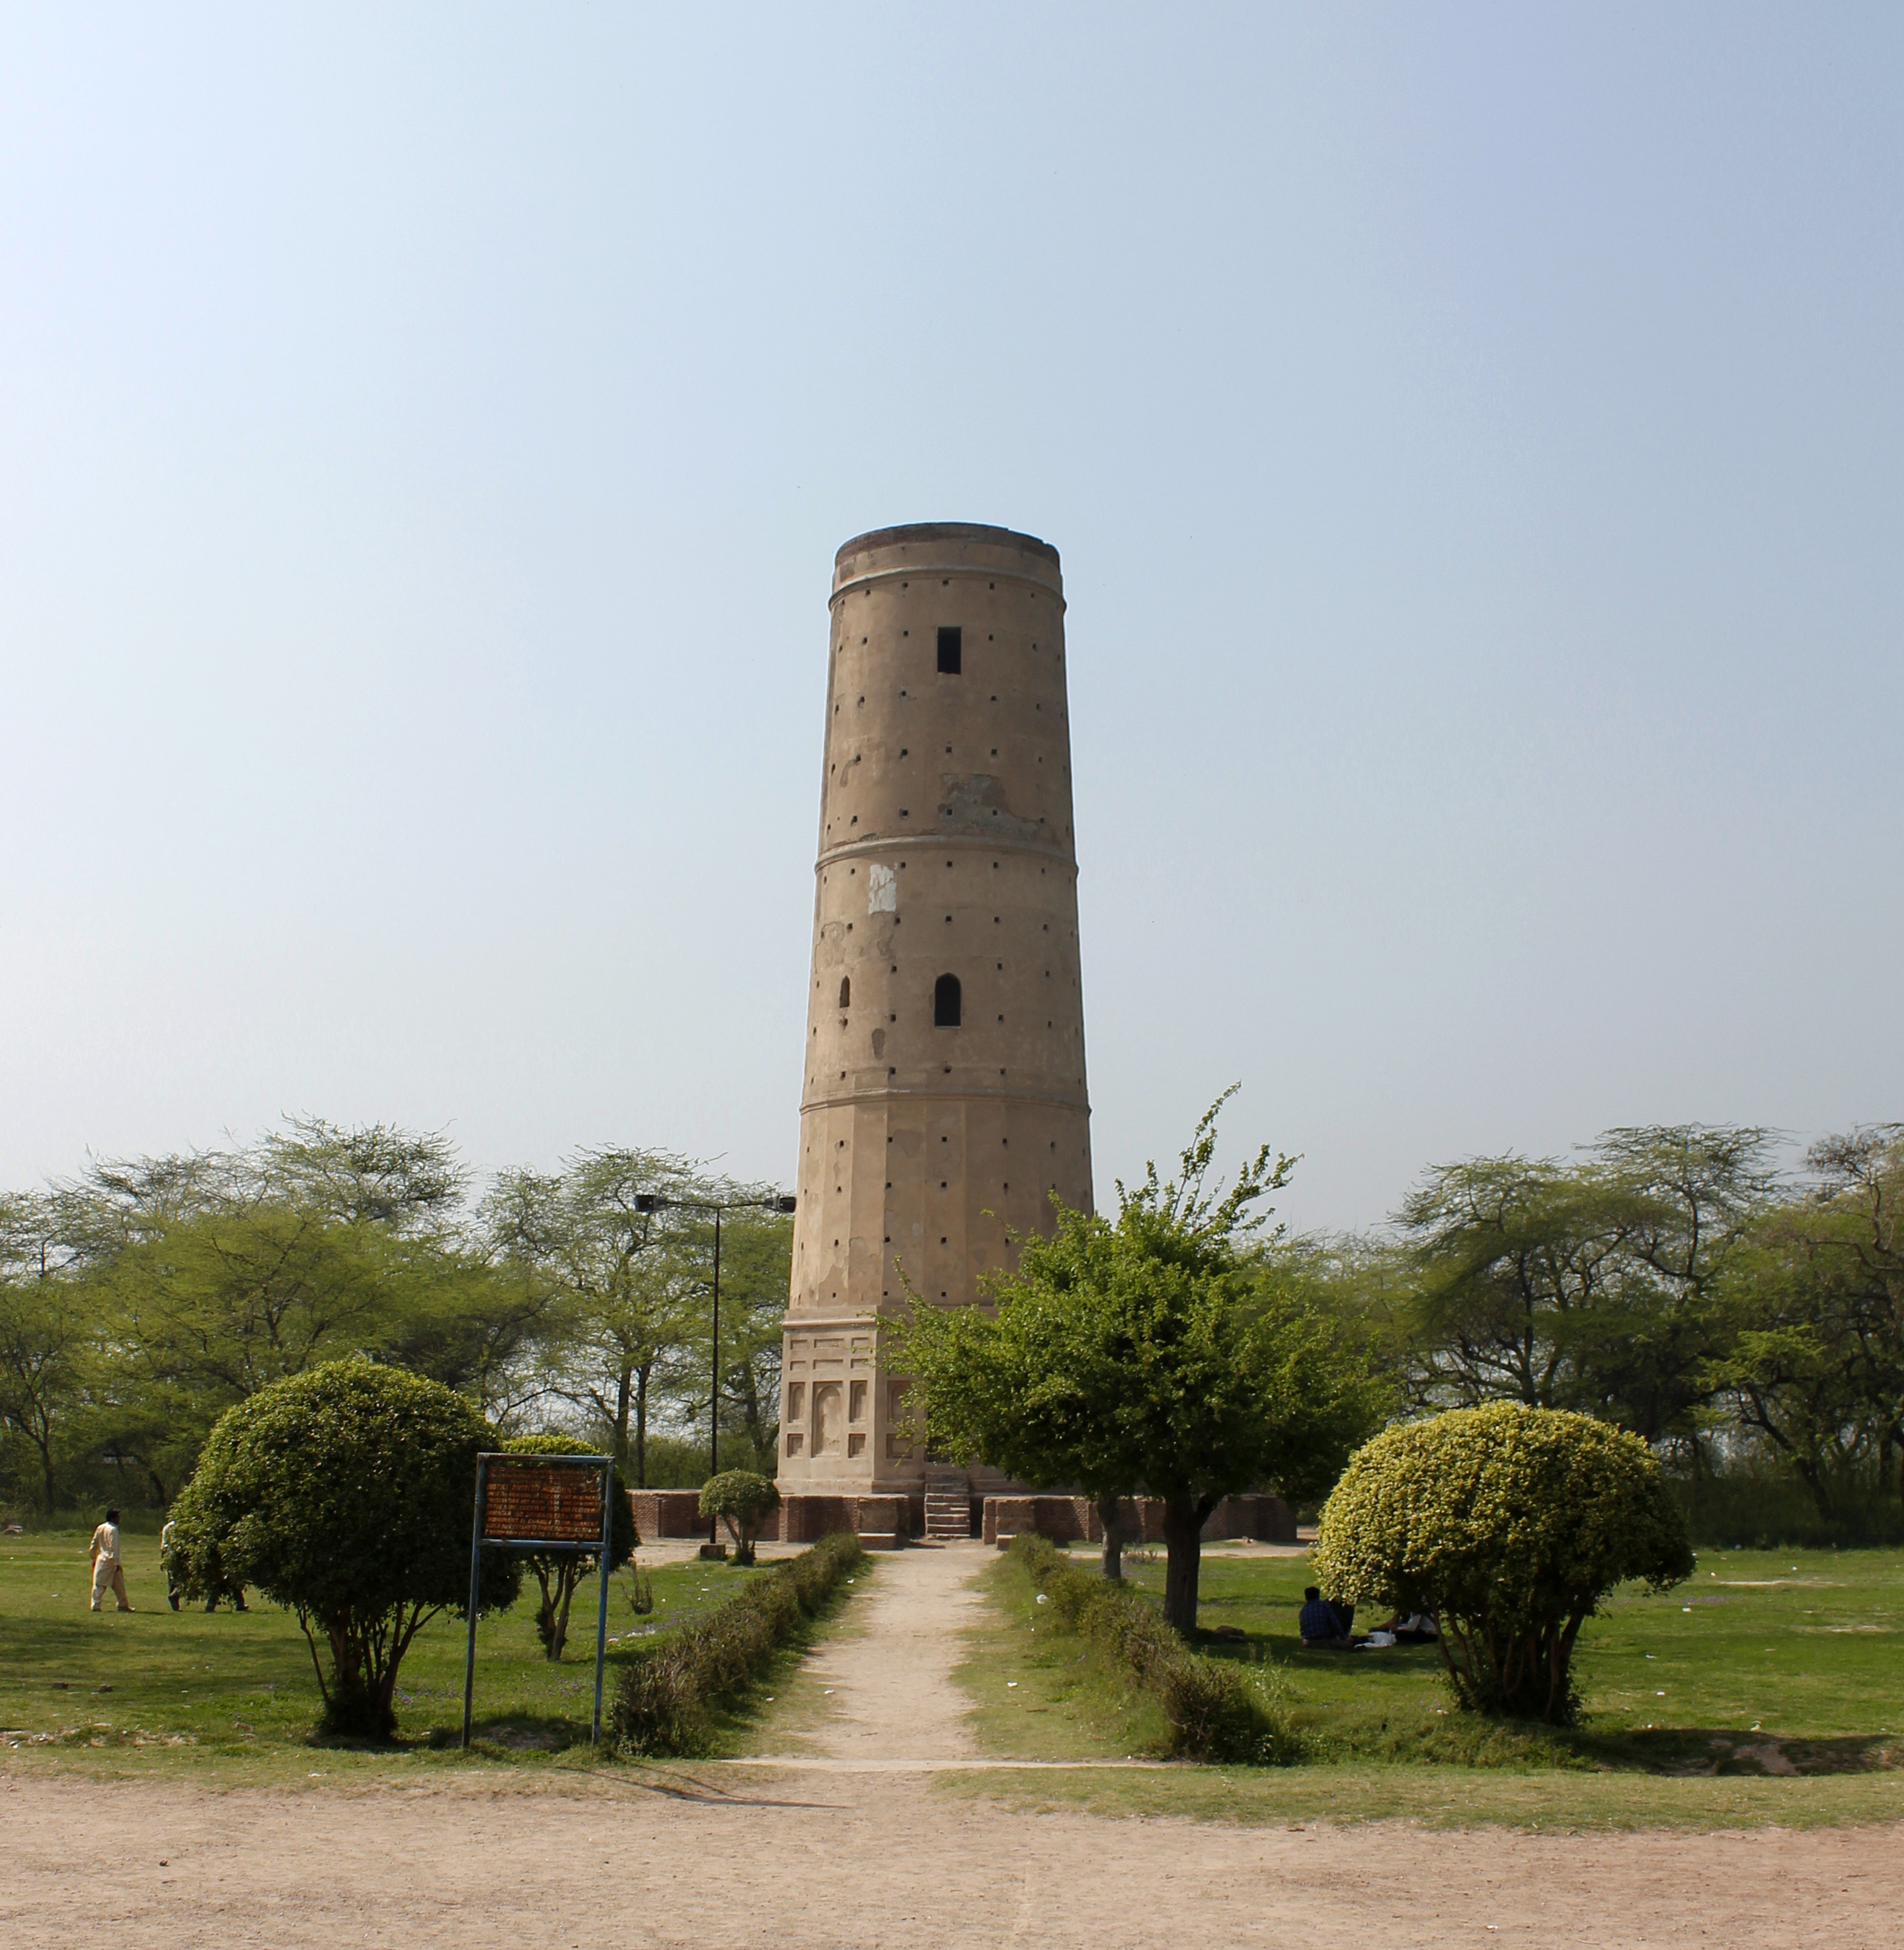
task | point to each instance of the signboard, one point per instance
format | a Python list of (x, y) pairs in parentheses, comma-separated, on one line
[(532, 1502), (540, 1502)]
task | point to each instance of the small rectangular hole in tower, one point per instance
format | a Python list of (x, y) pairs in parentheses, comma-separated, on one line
[(951, 650)]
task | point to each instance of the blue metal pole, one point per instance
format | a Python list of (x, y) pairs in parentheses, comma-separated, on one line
[(713, 1398), (602, 1610), (475, 1587)]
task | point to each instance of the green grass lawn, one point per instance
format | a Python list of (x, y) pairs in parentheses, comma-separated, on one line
[(1697, 1702), (1804, 1647), (160, 1689)]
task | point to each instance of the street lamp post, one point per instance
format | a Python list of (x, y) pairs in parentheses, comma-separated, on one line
[(777, 1201)]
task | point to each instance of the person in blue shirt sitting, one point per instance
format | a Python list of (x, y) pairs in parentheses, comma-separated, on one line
[(1320, 1624)]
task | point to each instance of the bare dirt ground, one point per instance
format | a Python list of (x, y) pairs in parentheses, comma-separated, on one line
[(855, 1848)]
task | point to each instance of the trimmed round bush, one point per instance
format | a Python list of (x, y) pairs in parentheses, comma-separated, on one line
[(1509, 1525), (347, 1494), (743, 1502)]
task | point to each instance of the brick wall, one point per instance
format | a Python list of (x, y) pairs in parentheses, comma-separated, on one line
[(663, 1513), (1264, 1518), (660, 1514)]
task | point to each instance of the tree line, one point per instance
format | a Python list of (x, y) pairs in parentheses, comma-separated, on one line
[(1743, 1321), (140, 1301)]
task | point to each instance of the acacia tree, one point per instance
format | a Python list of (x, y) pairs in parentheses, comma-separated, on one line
[(1513, 1255), (1692, 1194), (1591, 1285), (756, 1263), (623, 1282), (45, 1335), (1150, 1354), (219, 1272), (1815, 1365)]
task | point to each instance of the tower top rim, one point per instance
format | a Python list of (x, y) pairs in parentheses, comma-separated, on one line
[(946, 531)]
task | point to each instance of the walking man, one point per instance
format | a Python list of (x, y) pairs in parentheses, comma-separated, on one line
[(108, 1572)]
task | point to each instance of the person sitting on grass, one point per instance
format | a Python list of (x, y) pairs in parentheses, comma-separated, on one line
[(1320, 1624), (1412, 1628)]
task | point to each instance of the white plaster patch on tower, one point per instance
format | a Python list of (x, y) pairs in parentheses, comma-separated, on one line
[(881, 890)]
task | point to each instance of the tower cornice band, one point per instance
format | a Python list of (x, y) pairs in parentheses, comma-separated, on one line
[(924, 571), (926, 840)]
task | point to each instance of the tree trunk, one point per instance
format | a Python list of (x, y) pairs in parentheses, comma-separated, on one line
[(1183, 1517), (572, 1576), (1813, 1477), (46, 1462), (624, 1383), (544, 1608), (641, 1424), (1110, 1514)]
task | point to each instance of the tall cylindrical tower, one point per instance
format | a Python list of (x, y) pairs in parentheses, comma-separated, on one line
[(945, 1076)]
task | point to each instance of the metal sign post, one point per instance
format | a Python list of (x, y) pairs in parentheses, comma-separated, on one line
[(542, 1503)]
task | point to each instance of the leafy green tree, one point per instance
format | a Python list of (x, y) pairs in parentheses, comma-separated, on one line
[(743, 1502), (1592, 1286), (622, 1242), (623, 1282), (213, 1274), (1510, 1525), (558, 1574), (222, 1273), (45, 1339), (345, 1494), (1692, 1193), (1815, 1368), (1514, 1256), (1154, 1353), (756, 1267)]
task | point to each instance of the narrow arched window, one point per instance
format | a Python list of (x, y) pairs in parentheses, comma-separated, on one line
[(846, 991), (945, 1002)]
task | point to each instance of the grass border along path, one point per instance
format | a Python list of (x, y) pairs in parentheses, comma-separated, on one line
[(1042, 1691), (1209, 1710), (666, 1698)]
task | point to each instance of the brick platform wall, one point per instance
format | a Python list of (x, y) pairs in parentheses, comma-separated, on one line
[(663, 1513), (884, 1521), (1264, 1519)]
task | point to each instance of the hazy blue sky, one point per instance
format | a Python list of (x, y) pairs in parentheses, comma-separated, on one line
[(1475, 438)]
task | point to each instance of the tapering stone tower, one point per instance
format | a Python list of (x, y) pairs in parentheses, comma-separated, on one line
[(945, 1076)]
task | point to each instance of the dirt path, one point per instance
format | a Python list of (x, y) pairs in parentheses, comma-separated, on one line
[(853, 1846), (891, 1676), (873, 1860)]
